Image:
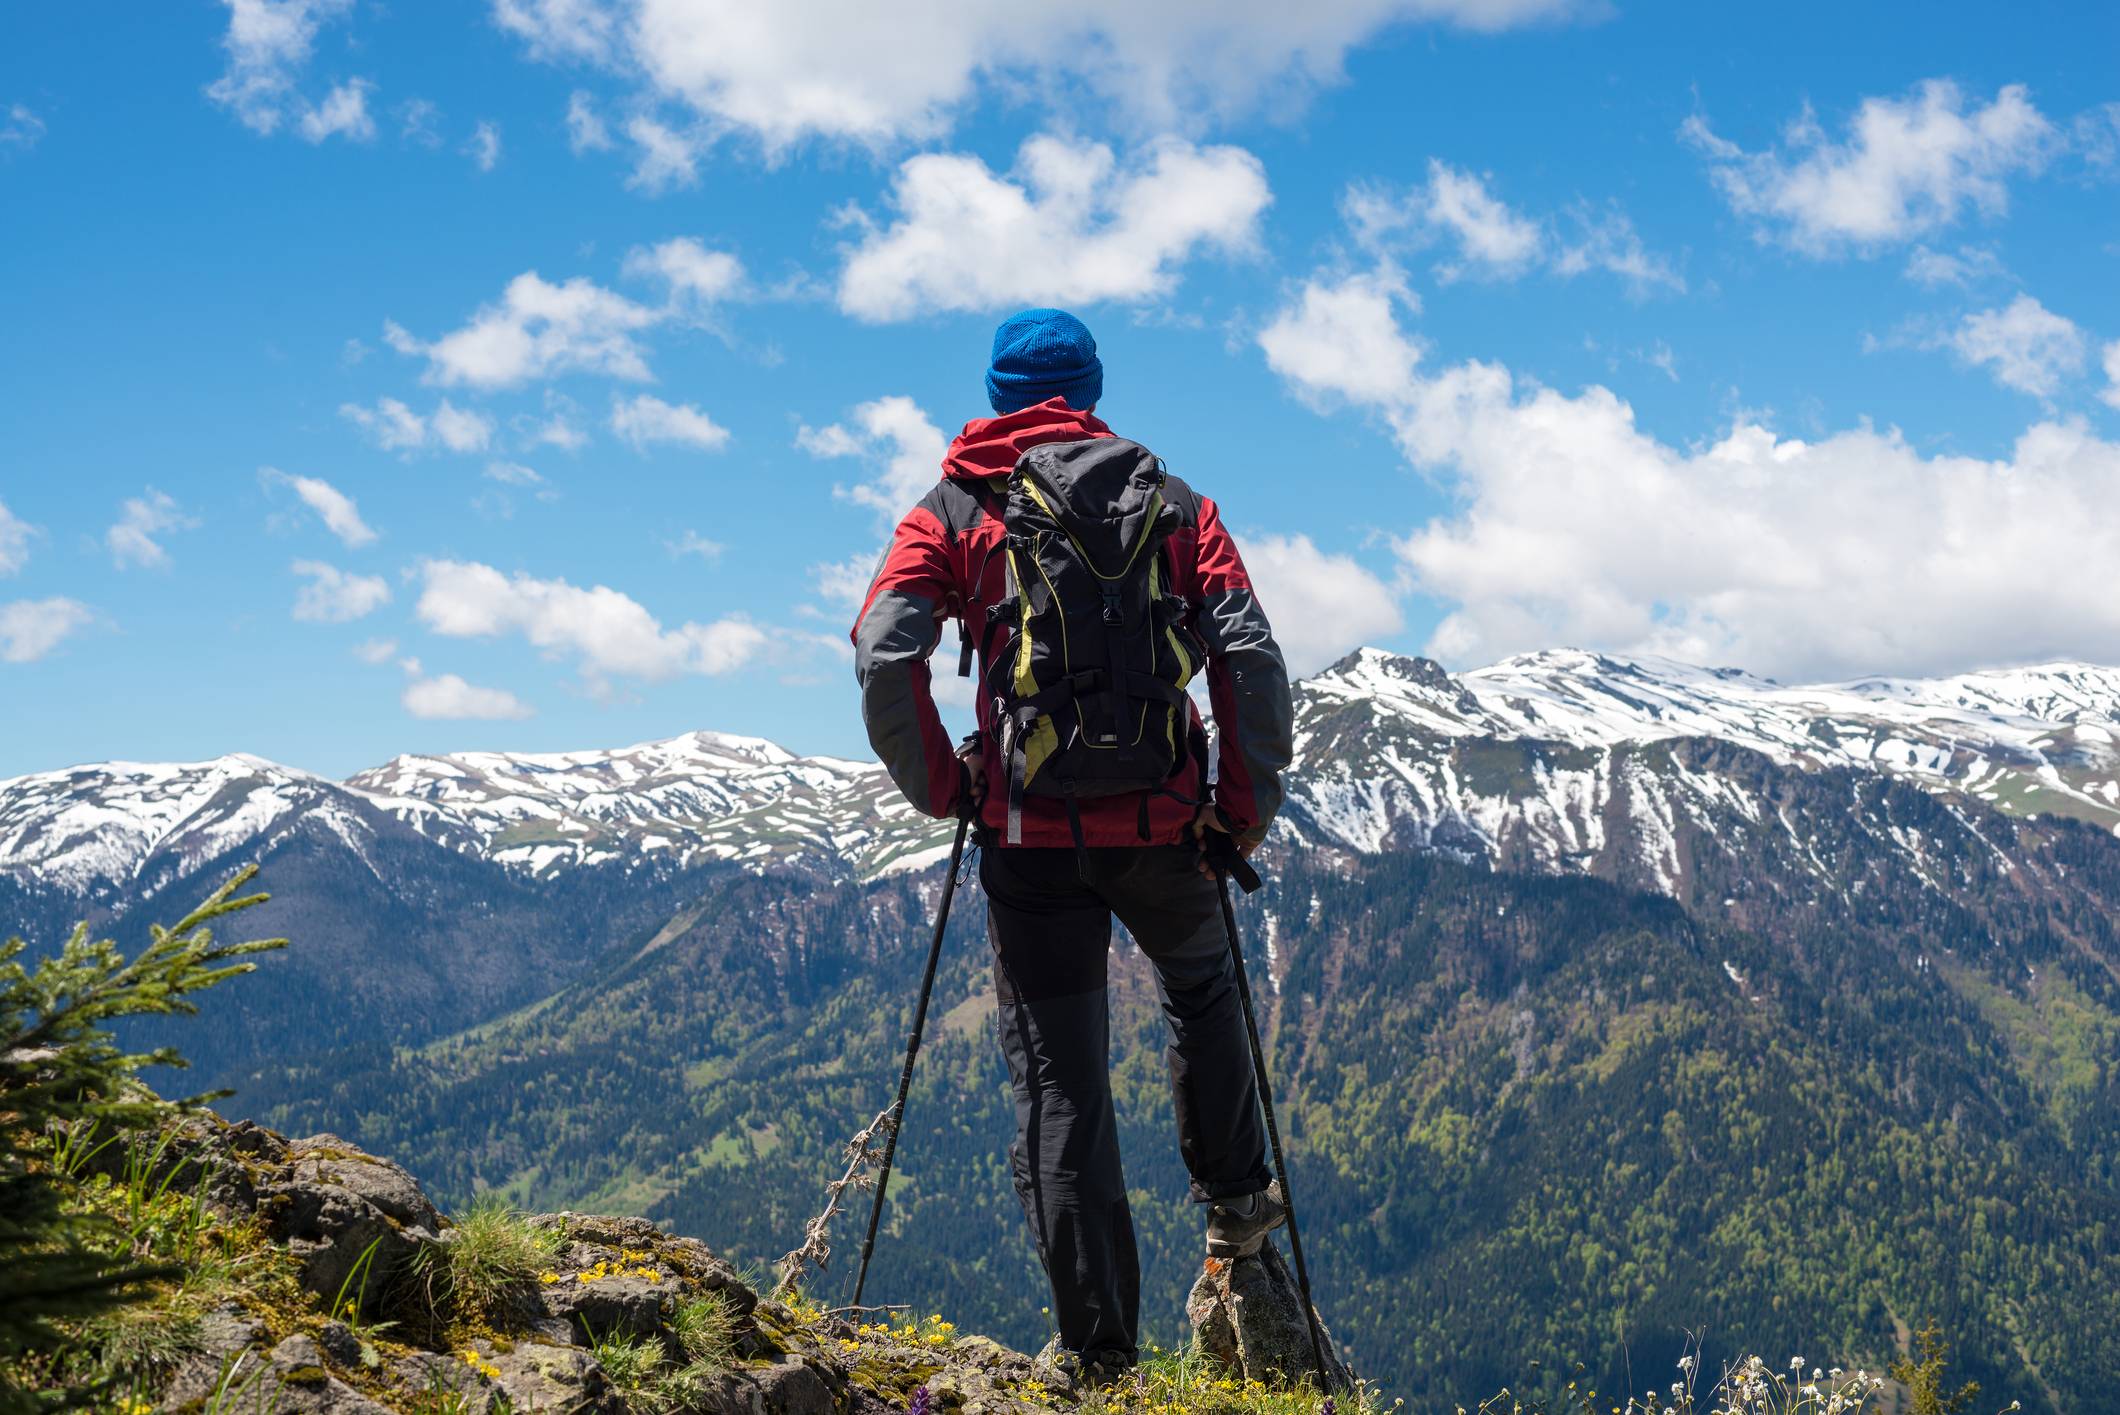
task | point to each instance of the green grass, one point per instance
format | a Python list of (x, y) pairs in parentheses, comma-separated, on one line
[(705, 1328), (493, 1252), (631, 1362)]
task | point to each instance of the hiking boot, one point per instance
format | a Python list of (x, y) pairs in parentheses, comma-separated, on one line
[(1080, 1371), (1237, 1227)]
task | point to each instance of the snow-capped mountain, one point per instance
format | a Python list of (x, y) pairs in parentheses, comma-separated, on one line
[(1562, 760), (1568, 760), (691, 800), (135, 825), (705, 796)]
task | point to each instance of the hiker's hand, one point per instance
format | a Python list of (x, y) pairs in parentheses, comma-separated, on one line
[(972, 756), (1211, 819)]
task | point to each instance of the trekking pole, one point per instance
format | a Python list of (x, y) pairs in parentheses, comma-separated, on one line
[(1224, 858), (912, 1049)]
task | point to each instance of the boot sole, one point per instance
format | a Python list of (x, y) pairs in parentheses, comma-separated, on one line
[(1248, 1248)]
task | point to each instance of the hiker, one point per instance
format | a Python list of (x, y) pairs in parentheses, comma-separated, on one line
[(1090, 588)]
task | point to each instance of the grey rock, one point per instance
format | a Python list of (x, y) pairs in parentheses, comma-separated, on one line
[(1248, 1315), (608, 1306), (727, 1393), (331, 1201), (224, 1336), (594, 1237), (433, 1381), (298, 1351), (201, 1153), (545, 1376), (986, 1354), (299, 1382), (340, 1344), (794, 1388)]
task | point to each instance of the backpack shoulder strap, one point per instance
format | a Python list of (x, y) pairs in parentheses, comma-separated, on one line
[(1186, 502), (960, 504), (1178, 494)]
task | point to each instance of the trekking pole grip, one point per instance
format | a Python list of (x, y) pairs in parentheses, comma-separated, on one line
[(1225, 859)]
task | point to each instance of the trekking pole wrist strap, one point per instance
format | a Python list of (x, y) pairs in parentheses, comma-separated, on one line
[(1224, 857)]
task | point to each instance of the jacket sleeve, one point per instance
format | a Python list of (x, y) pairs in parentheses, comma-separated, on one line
[(914, 588), (1247, 683)]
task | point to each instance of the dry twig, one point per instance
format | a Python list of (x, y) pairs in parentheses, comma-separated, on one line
[(864, 1156)]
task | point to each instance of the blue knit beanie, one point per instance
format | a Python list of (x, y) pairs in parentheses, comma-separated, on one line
[(1041, 354)]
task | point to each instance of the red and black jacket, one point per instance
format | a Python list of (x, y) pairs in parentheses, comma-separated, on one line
[(940, 566)]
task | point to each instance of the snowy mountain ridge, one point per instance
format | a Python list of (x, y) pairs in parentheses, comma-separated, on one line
[(1543, 759), (1567, 761), (2050, 733)]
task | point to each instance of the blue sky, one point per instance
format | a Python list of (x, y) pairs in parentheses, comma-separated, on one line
[(543, 374)]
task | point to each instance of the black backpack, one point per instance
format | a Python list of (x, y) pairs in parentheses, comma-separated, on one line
[(1091, 648)]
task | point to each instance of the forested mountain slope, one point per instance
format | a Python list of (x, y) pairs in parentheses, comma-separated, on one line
[(1609, 1000)]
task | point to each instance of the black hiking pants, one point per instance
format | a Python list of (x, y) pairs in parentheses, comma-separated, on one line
[(1051, 934)]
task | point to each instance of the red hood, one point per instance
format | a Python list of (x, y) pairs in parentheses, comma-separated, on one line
[(989, 447)]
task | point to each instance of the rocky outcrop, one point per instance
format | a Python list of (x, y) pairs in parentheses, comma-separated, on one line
[(358, 1326), (351, 1218), (1248, 1315)]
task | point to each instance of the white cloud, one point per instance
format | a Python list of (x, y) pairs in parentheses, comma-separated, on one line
[(2024, 344), (1068, 225), (484, 149), (844, 584), (268, 42), (608, 634), (537, 330), (333, 596), (416, 122), (23, 128), (1908, 166), (460, 429), (877, 74), (397, 428), (562, 30), (131, 539), (667, 157), (557, 427), (375, 652), (642, 420), (893, 437), (1933, 269), (1849, 555), (450, 697), (697, 277), (585, 130), (15, 534), (1606, 240), (32, 628), (558, 431), (2111, 360), (513, 474), (343, 113), (2095, 134), (1321, 605), (1491, 240), (1341, 339), (334, 507), (693, 543)]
